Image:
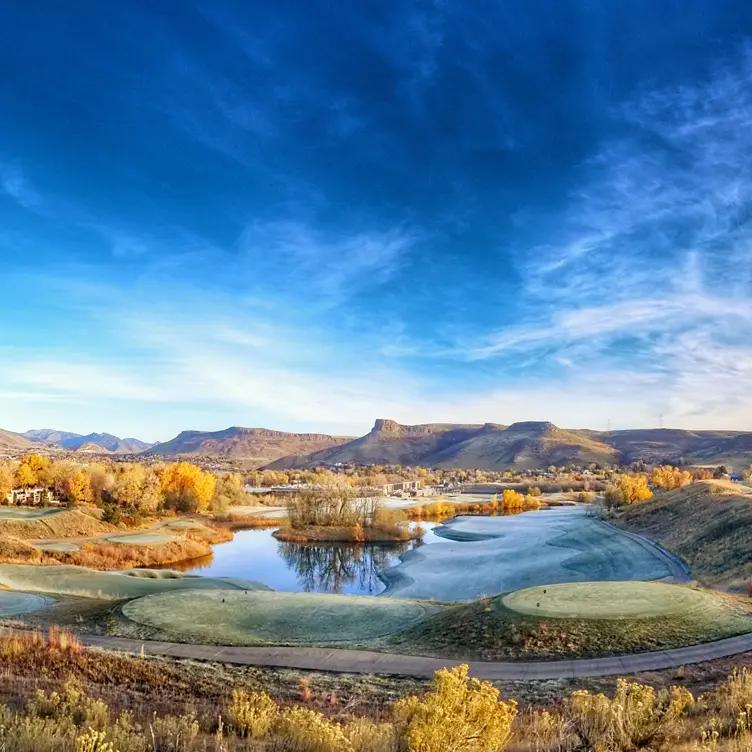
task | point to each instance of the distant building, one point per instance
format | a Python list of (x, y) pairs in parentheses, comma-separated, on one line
[(35, 496)]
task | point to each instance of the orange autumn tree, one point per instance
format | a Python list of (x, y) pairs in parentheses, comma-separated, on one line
[(187, 487)]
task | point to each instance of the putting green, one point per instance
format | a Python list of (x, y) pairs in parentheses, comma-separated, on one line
[(62, 547), (142, 539), (13, 604), (610, 600), (17, 513), (237, 617)]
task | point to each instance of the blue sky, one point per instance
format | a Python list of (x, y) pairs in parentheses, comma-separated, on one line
[(308, 215)]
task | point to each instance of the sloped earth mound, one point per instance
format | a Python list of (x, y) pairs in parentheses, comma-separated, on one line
[(709, 526), (33, 524), (90, 583), (634, 618), (254, 618)]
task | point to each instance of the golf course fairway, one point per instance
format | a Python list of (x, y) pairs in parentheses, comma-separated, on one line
[(247, 618), (610, 600)]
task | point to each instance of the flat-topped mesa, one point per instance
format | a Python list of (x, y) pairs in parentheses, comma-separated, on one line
[(540, 427), (386, 427)]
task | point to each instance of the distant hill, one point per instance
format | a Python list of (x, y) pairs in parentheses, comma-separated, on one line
[(75, 441), (91, 448), (527, 446), (13, 442), (257, 445)]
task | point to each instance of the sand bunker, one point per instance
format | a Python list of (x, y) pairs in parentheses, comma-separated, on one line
[(90, 583), (610, 600), (236, 617), (477, 556), (14, 604)]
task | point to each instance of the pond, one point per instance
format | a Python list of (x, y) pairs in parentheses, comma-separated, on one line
[(459, 560), (333, 568)]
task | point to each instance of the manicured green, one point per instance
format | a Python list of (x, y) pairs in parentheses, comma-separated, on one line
[(20, 513), (610, 600), (61, 546), (240, 618), (142, 539), (15, 604)]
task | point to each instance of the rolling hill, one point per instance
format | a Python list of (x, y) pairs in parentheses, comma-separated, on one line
[(13, 442), (257, 445)]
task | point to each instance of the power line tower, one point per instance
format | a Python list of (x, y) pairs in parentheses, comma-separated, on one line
[(660, 421), (608, 425)]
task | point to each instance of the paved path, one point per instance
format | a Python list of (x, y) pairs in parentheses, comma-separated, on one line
[(368, 662)]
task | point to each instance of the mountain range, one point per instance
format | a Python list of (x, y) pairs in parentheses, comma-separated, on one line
[(492, 446), (75, 441), (256, 445), (527, 446)]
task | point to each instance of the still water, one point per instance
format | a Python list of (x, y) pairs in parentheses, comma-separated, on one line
[(334, 568)]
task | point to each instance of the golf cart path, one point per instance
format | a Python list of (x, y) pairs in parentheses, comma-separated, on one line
[(369, 662)]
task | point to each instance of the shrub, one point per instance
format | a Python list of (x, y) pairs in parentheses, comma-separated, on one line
[(173, 733), (636, 718), (459, 714), (251, 714), (303, 730)]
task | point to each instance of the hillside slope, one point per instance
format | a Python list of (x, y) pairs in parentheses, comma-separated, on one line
[(707, 525), (13, 442), (258, 445)]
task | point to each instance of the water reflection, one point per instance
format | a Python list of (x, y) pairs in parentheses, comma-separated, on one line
[(336, 568), (331, 568)]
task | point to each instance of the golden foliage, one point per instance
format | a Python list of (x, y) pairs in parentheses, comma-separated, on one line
[(459, 714), (252, 714), (668, 478), (635, 718), (187, 486)]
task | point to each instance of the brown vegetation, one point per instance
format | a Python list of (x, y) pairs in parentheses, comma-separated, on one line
[(143, 705)]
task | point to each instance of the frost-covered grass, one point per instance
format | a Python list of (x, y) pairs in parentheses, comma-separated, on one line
[(248, 618), (89, 583)]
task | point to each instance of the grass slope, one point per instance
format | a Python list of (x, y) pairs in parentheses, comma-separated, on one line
[(707, 525), (50, 523), (89, 583)]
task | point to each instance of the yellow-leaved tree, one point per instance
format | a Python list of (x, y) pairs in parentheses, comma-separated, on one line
[(31, 471), (187, 487), (669, 478)]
